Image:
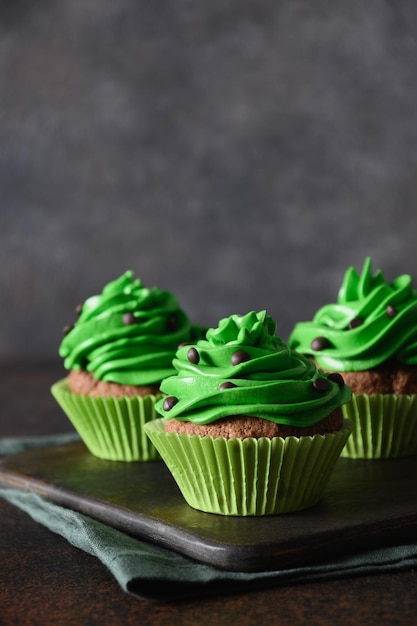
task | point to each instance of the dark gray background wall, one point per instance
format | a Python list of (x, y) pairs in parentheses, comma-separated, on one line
[(241, 154)]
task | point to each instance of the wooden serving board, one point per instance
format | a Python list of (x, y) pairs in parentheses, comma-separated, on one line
[(367, 504)]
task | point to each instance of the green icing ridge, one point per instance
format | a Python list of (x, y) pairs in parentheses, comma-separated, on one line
[(274, 383), (387, 328), (136, 353)]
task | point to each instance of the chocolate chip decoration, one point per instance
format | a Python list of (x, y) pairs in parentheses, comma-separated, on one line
[(129, 319), (67, 329), (169, 403), (357, 321), (227, 385), (241, 356), (391, 311), (172, 323), (335, 377), (193, 356), (320, 343), (321, 385)]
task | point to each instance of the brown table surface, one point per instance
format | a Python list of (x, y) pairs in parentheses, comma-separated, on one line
[(44, 580)]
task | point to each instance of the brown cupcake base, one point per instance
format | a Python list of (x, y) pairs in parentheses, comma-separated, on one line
[(244, 426), (84, 383), (391, 377)]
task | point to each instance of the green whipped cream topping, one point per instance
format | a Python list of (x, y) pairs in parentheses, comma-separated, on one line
[(128, 334), (242, 368), (371, 322)]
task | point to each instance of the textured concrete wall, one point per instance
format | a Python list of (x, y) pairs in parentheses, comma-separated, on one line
[(241, 154)]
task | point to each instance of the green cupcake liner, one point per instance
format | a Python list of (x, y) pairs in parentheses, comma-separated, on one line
[(250, 476), (111, 428), (384, 426)]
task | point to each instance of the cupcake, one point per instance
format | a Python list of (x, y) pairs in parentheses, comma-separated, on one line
[(116, 354), (248, 426), (370, 336)]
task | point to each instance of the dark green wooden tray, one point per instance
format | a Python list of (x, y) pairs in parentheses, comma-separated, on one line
[(367, 504)]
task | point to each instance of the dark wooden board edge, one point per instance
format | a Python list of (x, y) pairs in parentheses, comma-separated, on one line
[(269, 556)]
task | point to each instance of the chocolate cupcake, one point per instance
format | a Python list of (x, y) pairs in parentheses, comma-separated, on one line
[(249, 426), (117, 352), (369, 335)]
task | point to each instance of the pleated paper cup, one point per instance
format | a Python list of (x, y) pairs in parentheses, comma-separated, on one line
[(384, 426), (250, 476), (111, 428)]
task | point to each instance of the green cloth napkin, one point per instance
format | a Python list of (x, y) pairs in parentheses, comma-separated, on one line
[(161, 575)]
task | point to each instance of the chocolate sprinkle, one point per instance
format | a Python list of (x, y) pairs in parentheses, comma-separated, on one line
[(129, 319), (335, 377), (193, 356), (357, 321), (320, 343), (78, 309), (67, 329), (321, 385), (241, 356), (227, 385), (391, 311), (172, 323), (169, 403)]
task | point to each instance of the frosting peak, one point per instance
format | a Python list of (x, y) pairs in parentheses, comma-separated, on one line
[(252, 329), (243, 368), (371, 322), (128, 334)]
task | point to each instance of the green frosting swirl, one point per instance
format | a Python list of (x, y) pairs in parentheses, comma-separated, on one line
[(274, 382), (128, 334), (371, 322)]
